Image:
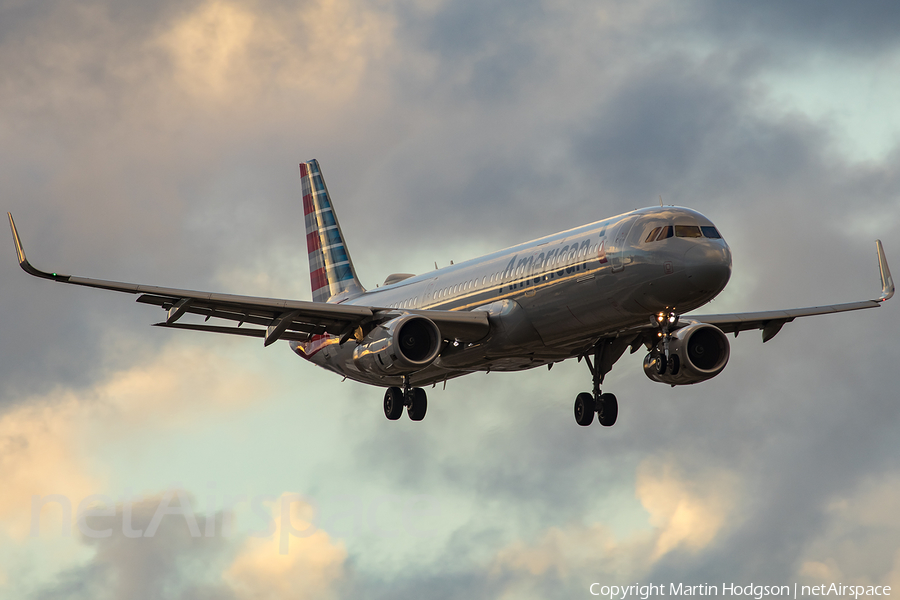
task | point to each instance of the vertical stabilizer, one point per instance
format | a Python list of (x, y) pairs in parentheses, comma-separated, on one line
[(331, 271)]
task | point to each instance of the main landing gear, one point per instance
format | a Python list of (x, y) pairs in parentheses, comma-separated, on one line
[(586, 404), (414, 399)]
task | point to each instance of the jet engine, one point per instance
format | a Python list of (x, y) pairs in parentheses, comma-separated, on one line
[(696, 353), (398, 347)]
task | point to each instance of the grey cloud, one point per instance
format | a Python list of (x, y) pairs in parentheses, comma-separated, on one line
[(164, 565), (499, 142), (859, 28)]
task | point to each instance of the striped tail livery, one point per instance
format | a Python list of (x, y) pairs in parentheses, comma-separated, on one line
[(331, 271)]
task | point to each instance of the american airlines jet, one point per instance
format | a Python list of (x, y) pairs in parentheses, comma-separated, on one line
[(588, 293)]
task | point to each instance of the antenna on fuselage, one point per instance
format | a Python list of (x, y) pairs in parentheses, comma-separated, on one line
[(660, 202)]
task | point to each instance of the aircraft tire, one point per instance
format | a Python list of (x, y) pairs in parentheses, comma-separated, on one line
[(661, 364), (393, 403), (584, 409), (418, 404), (674, 364), (609, 410)]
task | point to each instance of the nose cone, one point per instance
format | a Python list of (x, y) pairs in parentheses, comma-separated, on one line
[(708, 267)]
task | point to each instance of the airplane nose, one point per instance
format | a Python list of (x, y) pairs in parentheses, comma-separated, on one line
[(708, 267)]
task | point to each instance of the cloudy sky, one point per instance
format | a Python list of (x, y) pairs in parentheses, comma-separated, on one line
[(159, 142)]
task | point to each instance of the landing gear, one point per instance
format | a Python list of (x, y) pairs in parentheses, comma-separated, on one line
[(584, 409), (414, 399), (608, 410), (665, 321), (393, 403), (418, 404), (605, 405)]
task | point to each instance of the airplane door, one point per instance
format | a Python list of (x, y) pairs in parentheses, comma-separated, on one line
[(615, 254)]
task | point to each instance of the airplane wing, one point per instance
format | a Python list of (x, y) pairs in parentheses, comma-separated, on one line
[(772, 321), (282, 319)]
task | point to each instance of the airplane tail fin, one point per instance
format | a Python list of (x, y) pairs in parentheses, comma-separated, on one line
[(331, 271)]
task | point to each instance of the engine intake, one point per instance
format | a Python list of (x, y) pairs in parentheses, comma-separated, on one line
[(696, 353), (398, 347)]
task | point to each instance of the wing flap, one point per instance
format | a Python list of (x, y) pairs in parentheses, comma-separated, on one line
[(244, 331)]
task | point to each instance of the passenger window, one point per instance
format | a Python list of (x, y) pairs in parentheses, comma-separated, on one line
[(665, 232), (687, 231), (652, 235), (711, 232)]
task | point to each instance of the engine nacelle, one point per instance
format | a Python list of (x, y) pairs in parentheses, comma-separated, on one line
[(696, 353), (398, 347)]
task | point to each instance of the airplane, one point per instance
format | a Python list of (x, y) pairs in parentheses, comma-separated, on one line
[(590, 293)]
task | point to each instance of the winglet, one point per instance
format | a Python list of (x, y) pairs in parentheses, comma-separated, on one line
[(23, 262), (887, 282)]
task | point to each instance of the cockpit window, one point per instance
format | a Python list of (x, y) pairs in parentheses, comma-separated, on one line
[(652, 235), (688, 231), (683, 231), (665, 232)]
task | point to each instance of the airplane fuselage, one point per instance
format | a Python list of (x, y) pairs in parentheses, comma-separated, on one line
[(553, 297), (591, 292)]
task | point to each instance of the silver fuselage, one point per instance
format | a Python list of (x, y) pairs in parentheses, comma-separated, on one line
[(551, 298)]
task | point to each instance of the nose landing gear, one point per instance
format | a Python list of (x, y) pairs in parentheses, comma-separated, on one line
[(661, 359)]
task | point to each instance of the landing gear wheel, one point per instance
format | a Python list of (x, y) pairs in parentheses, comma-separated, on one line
[(393, 403), (661, 364), (608, 410), (584, 409), (674, 364), (418, 404)]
